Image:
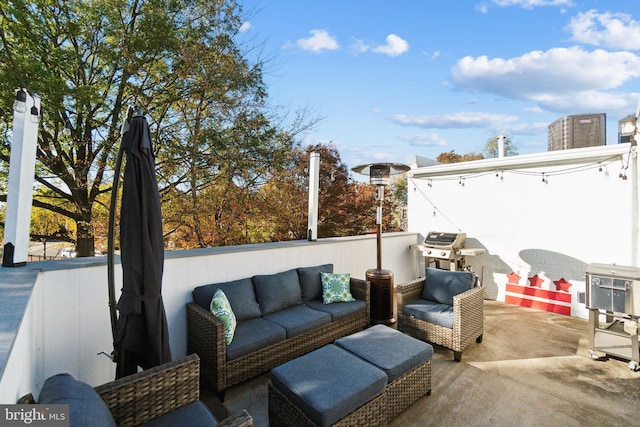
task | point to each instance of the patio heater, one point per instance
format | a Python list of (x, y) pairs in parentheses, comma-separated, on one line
[(381, 280)]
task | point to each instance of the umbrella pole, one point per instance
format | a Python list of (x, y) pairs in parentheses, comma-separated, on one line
[(111, 232)]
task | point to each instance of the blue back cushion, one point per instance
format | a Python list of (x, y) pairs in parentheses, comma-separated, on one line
[(277, 291), (310, 281), (239, 293), (442, 285), (86, 408)]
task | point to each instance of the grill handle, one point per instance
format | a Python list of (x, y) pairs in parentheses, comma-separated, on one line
[(613, 288)]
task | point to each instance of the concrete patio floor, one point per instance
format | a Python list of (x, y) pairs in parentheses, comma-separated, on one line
[(533, 368)]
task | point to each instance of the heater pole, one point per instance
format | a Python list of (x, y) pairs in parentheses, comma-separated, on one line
[(380, 197)]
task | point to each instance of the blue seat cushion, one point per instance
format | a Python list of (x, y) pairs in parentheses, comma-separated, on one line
[(86, 408), (388, 349), (338, 311), (194, 414), (328, 384), (442, 285), (252, 335), (310, 281), (277, 291), (298, 319), (432, 312), (239, 293)]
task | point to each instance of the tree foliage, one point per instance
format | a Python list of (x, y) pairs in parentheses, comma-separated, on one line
[(491, 148), (180, 62), (343, 204), (453, 157)]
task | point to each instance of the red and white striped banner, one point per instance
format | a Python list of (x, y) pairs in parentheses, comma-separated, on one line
[(541, 299)]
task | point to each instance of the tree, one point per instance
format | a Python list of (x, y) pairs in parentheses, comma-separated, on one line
[(453, 157), (344, 206), (178, 61), (491, 148), (398, 199)]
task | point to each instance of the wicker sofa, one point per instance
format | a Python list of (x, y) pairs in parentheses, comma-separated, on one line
[(279, 317), (444, 308), (165, 395)]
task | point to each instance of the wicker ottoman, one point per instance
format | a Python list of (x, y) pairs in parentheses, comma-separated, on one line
[(328, 386), (405, 360)]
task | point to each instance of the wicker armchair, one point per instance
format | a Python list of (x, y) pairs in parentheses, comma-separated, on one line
[(138, 398), (468, 317)]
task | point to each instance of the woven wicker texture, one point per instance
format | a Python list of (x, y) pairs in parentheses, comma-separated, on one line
[(206, 339), (468, 317), (138, 398), (404, 391), (284, 413)]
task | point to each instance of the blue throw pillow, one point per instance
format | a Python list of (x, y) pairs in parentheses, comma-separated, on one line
[(442, 285), (86, 408), (221, 308), (336, 288)]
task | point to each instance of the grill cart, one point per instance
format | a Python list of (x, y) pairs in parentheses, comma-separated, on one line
[(613, 300)]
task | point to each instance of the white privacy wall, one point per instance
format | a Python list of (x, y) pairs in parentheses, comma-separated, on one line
[(582, 213), (65, 326)]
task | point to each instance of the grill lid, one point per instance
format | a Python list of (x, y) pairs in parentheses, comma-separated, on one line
[(437, 239), (620, 271)]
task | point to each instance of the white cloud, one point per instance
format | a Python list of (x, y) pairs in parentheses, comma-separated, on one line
[(463, 119), (430, 139), (552, 78), (320, 40), (395, 46), (611, 30), (530, 4), (587, 101), (360, 46), (246, 26)]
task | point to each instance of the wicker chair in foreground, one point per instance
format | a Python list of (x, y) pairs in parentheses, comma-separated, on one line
[(166, 395), (444, 308)]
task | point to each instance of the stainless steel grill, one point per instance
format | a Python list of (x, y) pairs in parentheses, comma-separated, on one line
[(613, 300), (442, 250)]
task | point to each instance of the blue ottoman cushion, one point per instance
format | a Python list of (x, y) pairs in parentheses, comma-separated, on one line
[(328, 384), (389, 349), (194, 414), (432, 312)]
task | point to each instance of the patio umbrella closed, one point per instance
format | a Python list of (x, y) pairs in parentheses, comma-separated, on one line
[(141, 337)]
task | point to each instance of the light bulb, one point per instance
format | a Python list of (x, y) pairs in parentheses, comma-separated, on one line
[(34, 117), (20, 104)]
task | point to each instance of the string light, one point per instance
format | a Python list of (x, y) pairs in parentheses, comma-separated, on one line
[(20, 104), (35, 114), (544, 176)]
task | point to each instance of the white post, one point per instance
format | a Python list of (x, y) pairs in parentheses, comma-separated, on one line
[(314, 185), (20, 186), (501, 139)]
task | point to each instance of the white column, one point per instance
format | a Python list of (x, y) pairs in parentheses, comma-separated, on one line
[(314, 185), (20, 186), (501, 139)]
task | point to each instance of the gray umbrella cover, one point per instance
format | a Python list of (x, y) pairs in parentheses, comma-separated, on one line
[(142, 337)]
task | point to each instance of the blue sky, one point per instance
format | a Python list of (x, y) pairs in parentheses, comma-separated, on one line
[(415, 77)]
